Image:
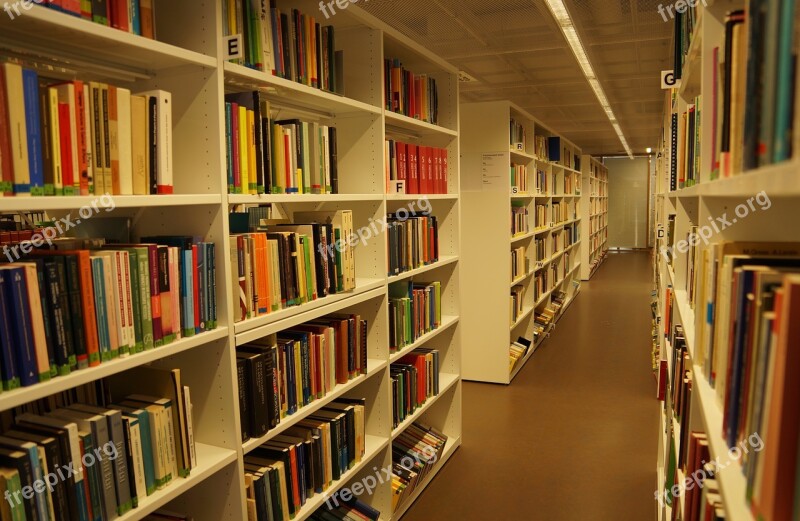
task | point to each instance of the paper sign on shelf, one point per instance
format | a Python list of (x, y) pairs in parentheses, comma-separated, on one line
[(494, 171)]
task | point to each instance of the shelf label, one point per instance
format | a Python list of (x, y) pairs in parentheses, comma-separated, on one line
[(494, 171), (399, 187), (514, 190), (669, 81), (233, 47)]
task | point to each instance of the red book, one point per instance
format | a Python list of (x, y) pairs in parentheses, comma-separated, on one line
[(431, 170), (81, 147), (422, 171), (67, 174), (198, 327), (6, 166), (70, 6), (119, 14), (438, 187), (444, 171), (413, 163)]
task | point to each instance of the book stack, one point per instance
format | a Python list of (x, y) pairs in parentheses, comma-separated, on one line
[(745, 346), (410, 95), (293, 264), (282, 474), (422, 168), (414, 454), (414, 309), (519, 218), (413, 242), (279, 157), (557, 301), (542, 185), (517, 135), (517, 302), (283, 373), (112, 448), (415, 378), (135, 17), (519, 178), (289, 44), (349, 510), (82, 137), (541, 148), (67, 310), (520, 265)]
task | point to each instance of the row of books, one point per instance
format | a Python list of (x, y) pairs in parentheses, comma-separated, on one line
[(703, 502), (542, 182), (414, 309), (132, 16), (561, 212), (292, 264), (280, 374), (519, 218), (541, 249), (68, 310), (284, 156), (413, 242), (81, 137), (414, 453), (112, 446), (689, 159), (290, 44), (517, 352), (685, 23), (517, 302), (520, 264), (406, 93), (542, 320), (540, 285), (517, 135), (519, 178), (745, 346), (423, 169), (560, 267), (541, 147), (306, 459), (542, 217), (681, 385), (753, 89), (415, 378), (557, 301)]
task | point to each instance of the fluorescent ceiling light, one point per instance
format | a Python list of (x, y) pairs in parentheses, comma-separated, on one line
[(561, 15)]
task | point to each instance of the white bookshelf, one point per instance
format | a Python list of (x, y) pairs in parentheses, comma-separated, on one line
[(594, 232), (188, 61), (696, 206), (487, 196)]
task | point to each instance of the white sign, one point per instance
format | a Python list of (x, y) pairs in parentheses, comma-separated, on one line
[(233, 47), (494, 171), (669, 81)]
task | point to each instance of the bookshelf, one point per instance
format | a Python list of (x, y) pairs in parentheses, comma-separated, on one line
[(188, 61), (500, 177), (693, 189), (594, 246)]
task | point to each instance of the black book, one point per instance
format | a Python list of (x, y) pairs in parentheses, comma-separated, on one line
[(243, 381), (334, 159), (152, 140), (734, 18), (756, 24), (255, 368)]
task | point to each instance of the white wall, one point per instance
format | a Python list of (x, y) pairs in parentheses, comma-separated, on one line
[(628, 199)]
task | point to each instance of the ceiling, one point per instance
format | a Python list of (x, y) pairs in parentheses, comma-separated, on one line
[(515, 51)]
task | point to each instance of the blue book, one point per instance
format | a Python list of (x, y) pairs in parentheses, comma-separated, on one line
[(784, 98), (136, 20), (147, 448), (30, 86), (743, 306), (187, 293), (22, 328), (98, 281), (211, 268), (8, 362)]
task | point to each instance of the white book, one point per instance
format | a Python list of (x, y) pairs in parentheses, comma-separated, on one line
[(87, 118), (55, 139), (72, 431), (135, 438), (266, 36), (113, 312), (124, 135), (17, 126), (139, 155), (163, 139), (125, 266)]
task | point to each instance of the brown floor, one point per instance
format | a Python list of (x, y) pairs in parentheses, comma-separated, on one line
[(574, 437)]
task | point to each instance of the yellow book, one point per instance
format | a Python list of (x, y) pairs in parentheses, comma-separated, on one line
[(279, 160)]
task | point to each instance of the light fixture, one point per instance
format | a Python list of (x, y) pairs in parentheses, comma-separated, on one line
[(649, 150), (564, 20)]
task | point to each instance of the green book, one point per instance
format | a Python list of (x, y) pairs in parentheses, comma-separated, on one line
[(136, 299), (93, 474), (305, 242)]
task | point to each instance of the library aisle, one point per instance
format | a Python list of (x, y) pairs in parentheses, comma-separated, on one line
[(574, 437)]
